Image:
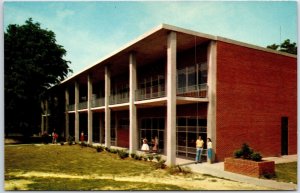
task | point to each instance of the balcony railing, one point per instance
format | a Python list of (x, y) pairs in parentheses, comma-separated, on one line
[(71, 107), (119, 98), (98, 102), (150, 93), (199, 91), (82, 105)]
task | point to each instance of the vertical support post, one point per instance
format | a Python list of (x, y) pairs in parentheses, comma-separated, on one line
[(212, 82), (76, 112), (171, 99), (42, 117), (107, 109), (133, 143), (47, 115), (90, 113), (67, 102)]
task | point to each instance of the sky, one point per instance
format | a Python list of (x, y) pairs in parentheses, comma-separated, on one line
[(92, 30)]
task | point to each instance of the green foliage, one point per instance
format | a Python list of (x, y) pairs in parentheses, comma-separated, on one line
[(33, 62), (160, 165), (123, 154), (132, 155), (247, 153), (70, 140), (158, 157), (256, 156), (99, 148), (286, 46), (238, 153)]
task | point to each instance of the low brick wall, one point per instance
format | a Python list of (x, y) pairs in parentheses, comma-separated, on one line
[(249, 167)]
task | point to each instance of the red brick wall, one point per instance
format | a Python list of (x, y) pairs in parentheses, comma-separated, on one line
[(249, 167), (254, 90)]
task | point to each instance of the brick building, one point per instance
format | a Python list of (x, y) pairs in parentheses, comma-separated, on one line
[(177, 84)]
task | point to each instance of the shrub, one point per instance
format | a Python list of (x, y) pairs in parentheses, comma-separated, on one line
[(70, 140), (62, 143), (247, 153), (160, 165), (150, 157), (123, 154), (107, 149), (137, 157), (132, 155), (99, 148), (158, 157), (238, 153), (113, 151), (256, 156)]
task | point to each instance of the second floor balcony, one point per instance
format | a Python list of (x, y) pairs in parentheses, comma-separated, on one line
[(198, 91), (119, 98), (150, 93)]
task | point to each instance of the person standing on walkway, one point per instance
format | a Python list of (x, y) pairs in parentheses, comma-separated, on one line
[(199, 149), (209, 150)]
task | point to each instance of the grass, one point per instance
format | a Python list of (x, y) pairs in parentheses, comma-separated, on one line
[(286, 172), (75, 163)]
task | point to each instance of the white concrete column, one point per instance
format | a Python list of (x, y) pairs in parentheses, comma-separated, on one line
[(47, 116), (133, 137), (102, 132), (90, 113), (42, 117), (76, 112), (107, 109), (67, 102), (212, 82), (171, 99)]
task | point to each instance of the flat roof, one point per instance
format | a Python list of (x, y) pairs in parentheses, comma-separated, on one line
[(155, 35)]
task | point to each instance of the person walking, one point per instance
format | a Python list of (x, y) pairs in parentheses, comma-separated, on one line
[(209, 150), (199, 149)]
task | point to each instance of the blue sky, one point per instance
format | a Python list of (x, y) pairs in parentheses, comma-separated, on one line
[(91, 30)]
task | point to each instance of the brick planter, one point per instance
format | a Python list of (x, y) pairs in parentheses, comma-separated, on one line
[(249, 167)]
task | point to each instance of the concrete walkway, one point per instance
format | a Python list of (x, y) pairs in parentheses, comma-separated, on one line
[(217, 169)]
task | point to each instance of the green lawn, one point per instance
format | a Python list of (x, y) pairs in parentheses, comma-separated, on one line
[(56, 167), (286, 172), (75, 163)]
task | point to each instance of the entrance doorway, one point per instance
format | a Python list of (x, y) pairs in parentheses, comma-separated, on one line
[(284, 135)]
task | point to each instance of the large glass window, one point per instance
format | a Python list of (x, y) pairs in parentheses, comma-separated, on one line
[(188, 129), (150, 128)]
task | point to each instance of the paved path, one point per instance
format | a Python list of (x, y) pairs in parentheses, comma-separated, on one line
[(217, 169)]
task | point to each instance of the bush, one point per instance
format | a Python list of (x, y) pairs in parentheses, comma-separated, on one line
[(113, 151), (107, 149), (70, 140), (160, 165), (99, 148), (150, 157), (238, 153), (158, 157), (247, 153), (132, 155), (256, 156), (123, 154)]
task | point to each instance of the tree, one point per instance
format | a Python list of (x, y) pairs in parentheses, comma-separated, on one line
[(286, 46), (33, 62)]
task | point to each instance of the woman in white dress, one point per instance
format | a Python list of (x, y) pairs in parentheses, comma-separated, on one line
[(145, 146)]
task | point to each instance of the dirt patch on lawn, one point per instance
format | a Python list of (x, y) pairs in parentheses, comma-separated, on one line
[(192, 182)]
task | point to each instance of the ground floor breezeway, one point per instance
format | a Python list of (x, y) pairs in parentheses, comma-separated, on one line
[(191, 121)]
